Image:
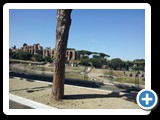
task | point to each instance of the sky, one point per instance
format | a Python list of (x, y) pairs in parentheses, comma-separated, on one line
[(119, 33)]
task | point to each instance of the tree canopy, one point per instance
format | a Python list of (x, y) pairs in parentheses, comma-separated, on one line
[(116, 63), (85, 52), (103, 55)]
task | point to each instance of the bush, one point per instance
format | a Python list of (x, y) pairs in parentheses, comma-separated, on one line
[(38, 58), (22, 55), (48, 59), (130, 75), (98, 63), (85, 62)]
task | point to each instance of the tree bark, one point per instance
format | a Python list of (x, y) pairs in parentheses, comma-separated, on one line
[(62, 33)]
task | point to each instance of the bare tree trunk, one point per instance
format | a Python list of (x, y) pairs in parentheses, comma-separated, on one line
[(62, 32)]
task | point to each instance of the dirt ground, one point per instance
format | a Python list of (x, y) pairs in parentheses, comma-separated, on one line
[(75, 97)]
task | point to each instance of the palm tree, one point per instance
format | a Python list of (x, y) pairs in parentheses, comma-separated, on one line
[(62, 32)]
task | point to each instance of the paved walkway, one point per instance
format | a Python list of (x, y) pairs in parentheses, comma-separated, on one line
[(17, 102), (15, 105)]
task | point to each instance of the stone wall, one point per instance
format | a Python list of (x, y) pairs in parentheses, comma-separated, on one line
[(37, 49)]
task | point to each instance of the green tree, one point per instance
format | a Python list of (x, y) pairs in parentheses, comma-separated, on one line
[(116, 64), (141, 67), (128, 64), (96, 62), (11, 53), (38, 58), (84, 57), (85, 62), (22, 55), (96, 56), (102, 55), (85, 52), (139, 64), (95, 53), (48, 59)]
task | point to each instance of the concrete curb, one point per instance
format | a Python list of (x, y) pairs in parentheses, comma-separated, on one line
[(29, 103), (109, 84), (108, 91)]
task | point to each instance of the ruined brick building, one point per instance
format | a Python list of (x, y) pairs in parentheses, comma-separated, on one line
[(71, 54)]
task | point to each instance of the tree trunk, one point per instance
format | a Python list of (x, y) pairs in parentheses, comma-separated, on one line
[(62, 32)]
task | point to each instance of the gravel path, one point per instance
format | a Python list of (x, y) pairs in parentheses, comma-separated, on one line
[(75, 97)]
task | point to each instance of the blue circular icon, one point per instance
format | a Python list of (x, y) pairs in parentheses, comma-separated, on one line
[(147, 99)]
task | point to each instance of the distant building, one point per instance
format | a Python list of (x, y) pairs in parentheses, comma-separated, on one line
[(71, 54)]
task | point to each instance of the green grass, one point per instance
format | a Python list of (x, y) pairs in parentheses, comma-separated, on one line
[(120, 77), (117, 73), (129, 80), (74, 73), (74, 68), (40, 68), (76, 76)]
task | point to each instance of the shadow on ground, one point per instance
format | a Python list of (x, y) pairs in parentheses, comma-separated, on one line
[(128, 97), (128, 89), (130, 92), (77, 82), (34, 89)]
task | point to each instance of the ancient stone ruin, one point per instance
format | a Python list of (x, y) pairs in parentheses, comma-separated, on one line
[(71, 54)]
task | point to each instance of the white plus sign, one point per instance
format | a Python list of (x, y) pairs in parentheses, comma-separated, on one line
[(147, 99)]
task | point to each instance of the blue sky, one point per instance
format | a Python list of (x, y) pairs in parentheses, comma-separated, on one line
[(119, 33)]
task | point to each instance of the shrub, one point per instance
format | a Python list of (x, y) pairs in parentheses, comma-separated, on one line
[(22, 55)]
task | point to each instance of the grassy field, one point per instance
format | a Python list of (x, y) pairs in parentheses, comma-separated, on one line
[(119, 76), (130, 80), (82, 77), (78, 73), (71, 72)]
